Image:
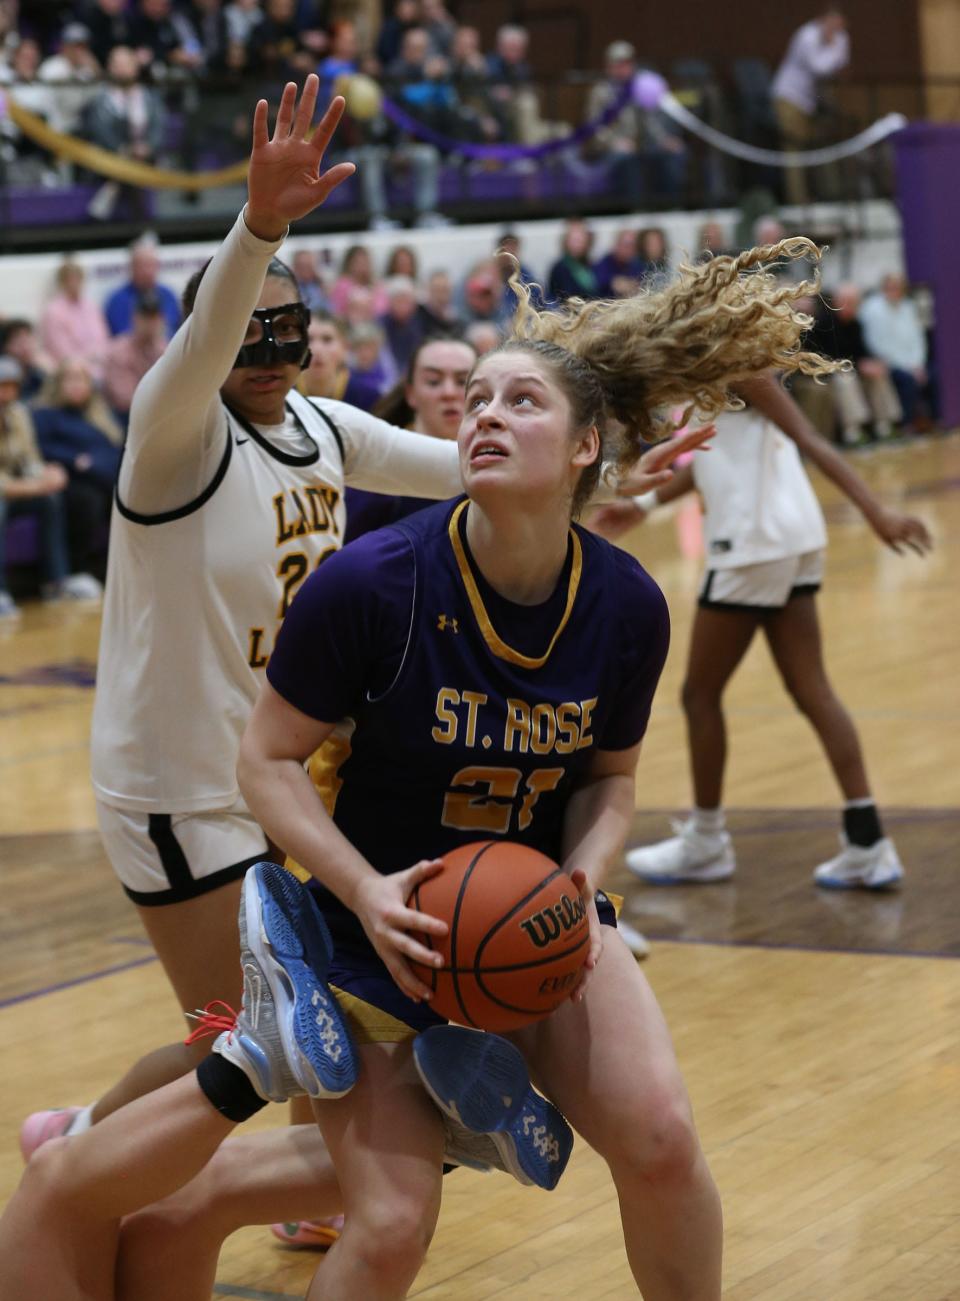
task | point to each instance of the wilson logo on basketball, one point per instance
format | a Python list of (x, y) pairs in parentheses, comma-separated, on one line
[(546, 925)]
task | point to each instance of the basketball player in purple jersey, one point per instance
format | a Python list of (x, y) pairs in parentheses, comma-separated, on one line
[(537, 414)]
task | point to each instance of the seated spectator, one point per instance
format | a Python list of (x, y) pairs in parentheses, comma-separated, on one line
[(619, 273), (28, 486), (124, 118), (110, 23), (712, 239), (361, 308), (309, 282), (437, 312), (513, 96), (510, 262), (18, 340), (71, 74), (287, 48), (406, 14), (865, 393), (340, 60), (328, 375), (483, 337), (440, 26), (356, 271), (73, 325), (131, 354), (28, 163), (144, 273), (163, 40), (421, 83), (402, 261), (242, 18), (893, 332), (572, 276), (401, 324), (483, 293), (208, 25), (75, 430), (653, 251), (644, 147), (468, 67), (369, 359)]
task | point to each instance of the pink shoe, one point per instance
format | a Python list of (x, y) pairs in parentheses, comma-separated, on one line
[(44, 1125), (311, 1235)]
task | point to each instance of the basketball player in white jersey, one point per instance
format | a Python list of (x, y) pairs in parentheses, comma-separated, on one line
[(230, 493), (765, 537)]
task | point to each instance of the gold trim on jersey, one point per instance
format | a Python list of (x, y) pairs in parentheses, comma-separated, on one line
[(490, 636)]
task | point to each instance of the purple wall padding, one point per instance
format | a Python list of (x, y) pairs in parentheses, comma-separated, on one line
[(928, 191)]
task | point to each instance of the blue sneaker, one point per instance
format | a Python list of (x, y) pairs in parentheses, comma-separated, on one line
[(290, 1036), (480, 1083)]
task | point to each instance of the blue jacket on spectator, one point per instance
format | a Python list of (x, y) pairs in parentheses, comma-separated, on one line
[(118, 308), (63, 435)]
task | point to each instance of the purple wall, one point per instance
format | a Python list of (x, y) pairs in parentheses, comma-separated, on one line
[(928, 191)]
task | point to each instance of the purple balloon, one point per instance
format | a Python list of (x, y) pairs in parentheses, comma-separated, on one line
[(648, 89)]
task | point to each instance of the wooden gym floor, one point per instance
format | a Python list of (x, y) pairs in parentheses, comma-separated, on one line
[(817, 1032)]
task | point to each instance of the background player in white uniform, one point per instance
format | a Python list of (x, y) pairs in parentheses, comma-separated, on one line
[(765, 537), (230, 492)]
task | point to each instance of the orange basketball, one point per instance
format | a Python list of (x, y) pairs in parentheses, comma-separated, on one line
[(517, 940)]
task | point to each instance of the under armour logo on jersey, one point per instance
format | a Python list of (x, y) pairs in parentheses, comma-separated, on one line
[(444, 622)]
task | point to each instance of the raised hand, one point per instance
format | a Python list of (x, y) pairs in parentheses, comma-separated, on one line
[(285, 182), (652, 469)]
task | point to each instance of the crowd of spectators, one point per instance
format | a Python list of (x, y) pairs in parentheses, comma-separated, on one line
[(67, 380)]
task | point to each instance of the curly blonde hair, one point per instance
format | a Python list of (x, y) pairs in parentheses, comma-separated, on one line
[(624, 363)]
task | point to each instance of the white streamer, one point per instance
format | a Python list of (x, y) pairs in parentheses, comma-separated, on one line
[(886, 126)]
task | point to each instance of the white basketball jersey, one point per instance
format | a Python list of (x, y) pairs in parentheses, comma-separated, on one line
[(758, 500), (205, 588)]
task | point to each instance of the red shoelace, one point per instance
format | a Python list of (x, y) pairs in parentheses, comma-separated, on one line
[(211, 1021)]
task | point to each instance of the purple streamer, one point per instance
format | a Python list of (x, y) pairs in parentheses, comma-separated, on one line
[(504, 153)]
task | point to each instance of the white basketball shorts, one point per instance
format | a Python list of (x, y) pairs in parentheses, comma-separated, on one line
[(767, 586), (164, 858)]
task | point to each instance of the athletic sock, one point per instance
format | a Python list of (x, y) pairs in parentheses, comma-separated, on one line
[(861, 823), (81, 1122), (709, 822), (227, 1089)]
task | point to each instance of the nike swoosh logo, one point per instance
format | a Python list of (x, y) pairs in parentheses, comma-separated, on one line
[(241, 441)]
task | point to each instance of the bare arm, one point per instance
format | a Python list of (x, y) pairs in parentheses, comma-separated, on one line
[(896, 530), (277, 742), (596, 822)]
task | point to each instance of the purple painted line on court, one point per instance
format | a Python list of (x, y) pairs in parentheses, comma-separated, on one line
[(252, 1294), (792, 948), (78, 980)]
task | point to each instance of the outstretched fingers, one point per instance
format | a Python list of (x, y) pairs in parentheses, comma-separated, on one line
[(328, 124), (288, 100), (334, 177), (261, 135), (306, 107)]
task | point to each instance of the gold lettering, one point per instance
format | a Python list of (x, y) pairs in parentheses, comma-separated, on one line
[(303, 523), (586, 711), (568, 728), (541, 741), (473, 700), (447, 734), (518, 724)]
